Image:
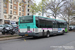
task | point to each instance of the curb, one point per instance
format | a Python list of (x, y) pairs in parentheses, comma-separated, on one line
[(9, 38)]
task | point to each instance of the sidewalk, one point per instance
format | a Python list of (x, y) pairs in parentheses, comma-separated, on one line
[(1, 36), (8, 38), (6, 35)]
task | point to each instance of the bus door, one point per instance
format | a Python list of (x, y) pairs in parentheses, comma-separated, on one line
[(55, 28)]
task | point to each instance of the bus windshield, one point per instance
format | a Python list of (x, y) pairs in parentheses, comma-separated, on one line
[(26, 19)]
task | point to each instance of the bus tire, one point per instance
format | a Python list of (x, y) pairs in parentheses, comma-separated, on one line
[(63, 32), (3, 33), (48, 34)]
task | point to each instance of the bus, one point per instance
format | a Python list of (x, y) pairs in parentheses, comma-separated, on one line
[(36, 26)]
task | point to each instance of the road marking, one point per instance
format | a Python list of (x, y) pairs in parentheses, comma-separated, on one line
[(24, 40)]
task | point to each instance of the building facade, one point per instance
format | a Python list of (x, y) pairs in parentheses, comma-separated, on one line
[(11, 10), (1, 12), (29, 3)]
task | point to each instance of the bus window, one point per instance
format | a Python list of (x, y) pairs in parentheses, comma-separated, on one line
[(37, 23), (48, 24), (26, 19), (55, 25), (61, 25), (42, 23), (65, 25)]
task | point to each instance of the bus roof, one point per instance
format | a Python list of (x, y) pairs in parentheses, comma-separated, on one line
[(47, 18), (52, 18)]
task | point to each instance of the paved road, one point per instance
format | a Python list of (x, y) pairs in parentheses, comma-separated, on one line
[(53, 43)]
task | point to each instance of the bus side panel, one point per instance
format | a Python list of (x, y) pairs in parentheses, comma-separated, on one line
[(55, 30), (60, 30), (25, 30), (47, 29), (40, 31)]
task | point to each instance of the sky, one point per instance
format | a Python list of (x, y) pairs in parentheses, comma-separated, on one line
[(37, 1)]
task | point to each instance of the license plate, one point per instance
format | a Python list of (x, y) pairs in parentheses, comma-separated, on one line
[(26, 34)]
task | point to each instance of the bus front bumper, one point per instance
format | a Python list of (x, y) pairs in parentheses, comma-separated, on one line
[(29, 34)]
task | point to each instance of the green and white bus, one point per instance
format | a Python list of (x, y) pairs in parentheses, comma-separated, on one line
[(35, 26)]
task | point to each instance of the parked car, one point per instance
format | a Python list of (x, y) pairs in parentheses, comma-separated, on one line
[(15, 28), (8, 29), (71, 27), (1, 27)]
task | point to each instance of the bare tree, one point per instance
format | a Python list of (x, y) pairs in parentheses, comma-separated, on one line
[(68, 11), (63, 8), (54, 7)]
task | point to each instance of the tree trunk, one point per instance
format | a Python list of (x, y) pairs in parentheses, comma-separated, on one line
[(68, 22)]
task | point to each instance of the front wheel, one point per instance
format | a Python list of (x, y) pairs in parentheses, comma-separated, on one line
[(3, 33), (12, 33)]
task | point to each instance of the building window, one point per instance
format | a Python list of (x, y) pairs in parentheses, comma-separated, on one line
[(28, 1), (10, 1), (22, 14), (22, 0), (28, 5), (10, 6), (14, 17), (28, 10), (5, 17), (28, 13), (10, 17), (23, 10), (19, 13), (6, 21), (20, 9), (14, 2), (5, 6), (4, 11), (15, 12), (10, 11), (15, 7)]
